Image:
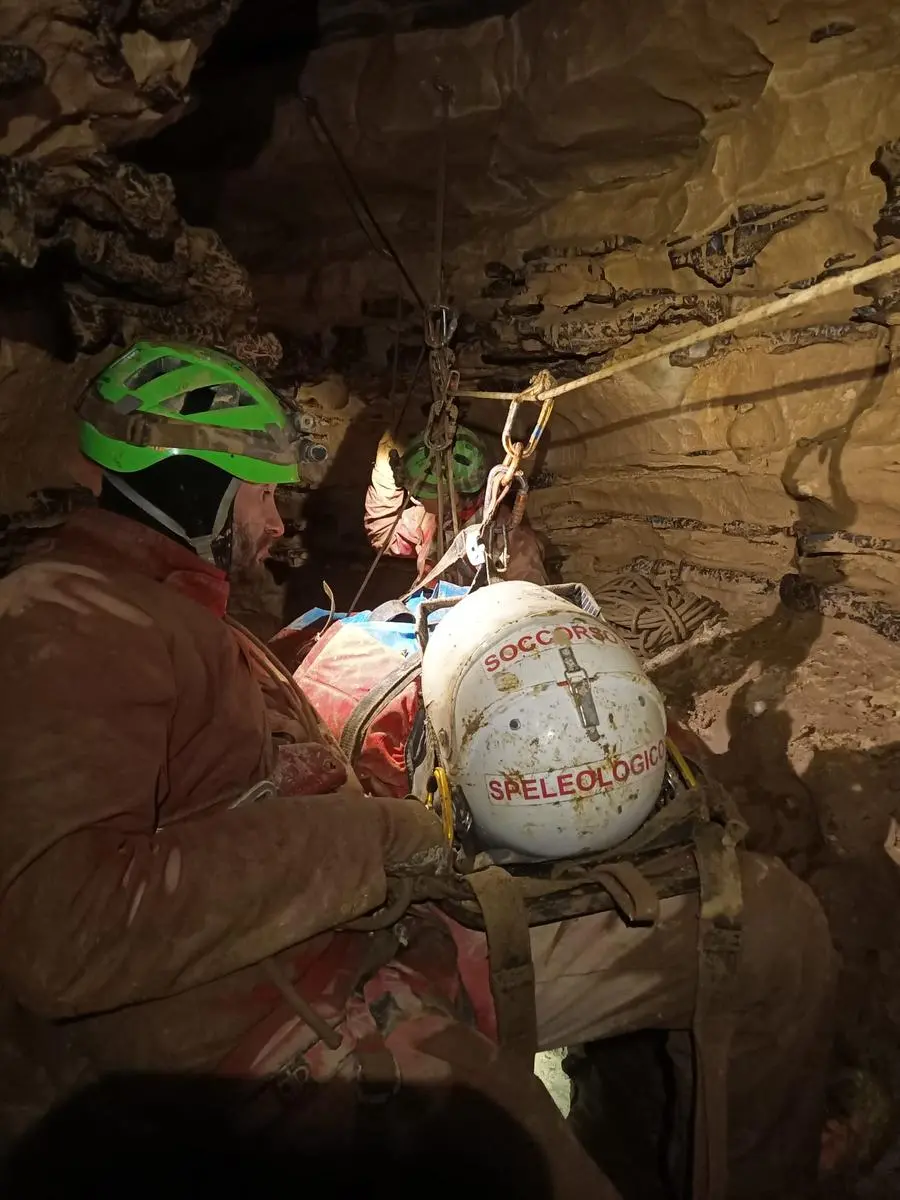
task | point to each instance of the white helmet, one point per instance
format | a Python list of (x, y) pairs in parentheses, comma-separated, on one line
[(545, 721)]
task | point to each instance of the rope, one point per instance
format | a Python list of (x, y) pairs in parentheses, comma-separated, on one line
[(651, 616), (304, 1010), (382, 551), (440, 325), (409, 392), (438, 460), (446, 95), (825, 287), (395, 365), (355, 196)]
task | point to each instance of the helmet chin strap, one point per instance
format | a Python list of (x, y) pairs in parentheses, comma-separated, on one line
[(203, 544)]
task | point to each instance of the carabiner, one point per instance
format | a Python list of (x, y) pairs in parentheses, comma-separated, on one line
[(531, 395), (539, 426), (528, 449), (439, 326), (518, 510)]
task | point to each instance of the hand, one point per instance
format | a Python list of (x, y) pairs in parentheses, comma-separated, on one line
[(388, 472), (388, 445), (398, 470), (413, 839)]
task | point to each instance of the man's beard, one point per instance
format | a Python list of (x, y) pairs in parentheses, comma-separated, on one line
[(256, 600), (245, 553)]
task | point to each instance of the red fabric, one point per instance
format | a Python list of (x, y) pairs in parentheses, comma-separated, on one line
[(336, 674)]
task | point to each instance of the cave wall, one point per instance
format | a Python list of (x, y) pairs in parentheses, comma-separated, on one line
[(618, 173), (93, 249)]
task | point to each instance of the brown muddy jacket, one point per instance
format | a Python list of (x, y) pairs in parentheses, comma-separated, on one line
[(413, 534), (135, 902)]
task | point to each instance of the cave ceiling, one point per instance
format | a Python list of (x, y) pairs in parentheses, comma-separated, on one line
[(542, 107)]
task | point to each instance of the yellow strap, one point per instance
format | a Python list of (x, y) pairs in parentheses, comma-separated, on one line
[(690, 779), (443, 788)]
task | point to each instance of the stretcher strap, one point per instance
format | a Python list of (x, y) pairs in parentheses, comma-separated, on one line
[(455, 553), (512, 971), (719, 943)]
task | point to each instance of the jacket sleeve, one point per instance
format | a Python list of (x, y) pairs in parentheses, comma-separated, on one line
[(100, 909), (384, 501), (526, 557)]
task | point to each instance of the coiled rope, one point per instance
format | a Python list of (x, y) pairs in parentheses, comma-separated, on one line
[(651, 615)]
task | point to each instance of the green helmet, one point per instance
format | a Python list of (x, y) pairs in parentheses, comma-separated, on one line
[(469, 458), (158, 400)]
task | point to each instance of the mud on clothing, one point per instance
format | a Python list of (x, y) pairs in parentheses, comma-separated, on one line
[(135, 901)]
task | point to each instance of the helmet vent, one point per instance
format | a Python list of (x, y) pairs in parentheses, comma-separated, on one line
[(213, 398), (154, 369)]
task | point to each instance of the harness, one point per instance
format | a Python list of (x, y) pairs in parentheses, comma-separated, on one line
[(688, 846)]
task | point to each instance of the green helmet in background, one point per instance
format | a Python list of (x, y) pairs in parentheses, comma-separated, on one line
[(159, 400), (469, 458)]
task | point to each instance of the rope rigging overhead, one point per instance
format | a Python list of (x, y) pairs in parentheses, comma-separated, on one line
[(439, 324)]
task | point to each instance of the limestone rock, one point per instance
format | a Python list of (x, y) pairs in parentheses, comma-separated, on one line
[(78, 76), (115, 258), (617, 174), (21, 69), (131, 265)]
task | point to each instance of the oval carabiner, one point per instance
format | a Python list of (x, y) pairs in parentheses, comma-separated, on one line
[(539, 426)]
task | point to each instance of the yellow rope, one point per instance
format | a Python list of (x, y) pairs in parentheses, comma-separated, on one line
[(773, 308)]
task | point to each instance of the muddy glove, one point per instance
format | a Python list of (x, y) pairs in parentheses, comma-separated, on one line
[(413, 846), (413, 839)]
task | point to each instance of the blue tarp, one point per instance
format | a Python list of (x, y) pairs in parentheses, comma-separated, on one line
[(398, 634)]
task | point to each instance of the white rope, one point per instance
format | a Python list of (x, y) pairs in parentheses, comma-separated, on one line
[(773, 308)]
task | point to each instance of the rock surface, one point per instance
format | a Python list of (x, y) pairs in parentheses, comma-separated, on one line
[(93, 250), (802, 713), (79, 76), (618, 173)]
